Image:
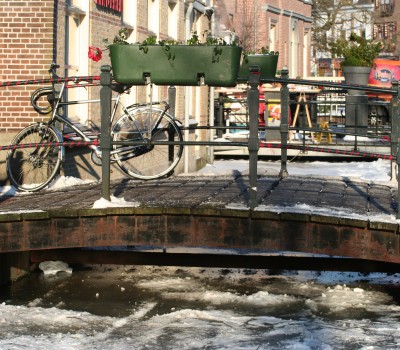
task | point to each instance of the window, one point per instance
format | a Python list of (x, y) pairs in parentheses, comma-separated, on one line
[(387, 33), (294, 49), (173, 20), (273, 35), (153, 16), (306, 52), (387, 7), (76, 60), (129, 14), (384, 30)]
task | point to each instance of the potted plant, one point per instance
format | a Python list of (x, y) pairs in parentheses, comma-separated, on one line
[(213, 62), (266, 60), (358, 56)]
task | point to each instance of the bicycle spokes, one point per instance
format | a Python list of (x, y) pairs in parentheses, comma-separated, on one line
[(151, 128), (33, 166)]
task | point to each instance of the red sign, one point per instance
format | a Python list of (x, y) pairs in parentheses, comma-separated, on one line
[(383, 72), (115, 5)]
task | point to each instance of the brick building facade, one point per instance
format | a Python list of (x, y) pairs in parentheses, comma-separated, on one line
[(385, 26), (33, 34), (26, 42), (283, 26)]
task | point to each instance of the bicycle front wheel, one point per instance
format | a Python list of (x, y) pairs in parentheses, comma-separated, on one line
[(147, 161), (34, 162)]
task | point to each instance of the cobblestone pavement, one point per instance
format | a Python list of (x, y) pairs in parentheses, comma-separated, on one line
[(361, 198)]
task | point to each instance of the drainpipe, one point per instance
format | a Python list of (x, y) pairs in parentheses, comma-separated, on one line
[(188, 95)]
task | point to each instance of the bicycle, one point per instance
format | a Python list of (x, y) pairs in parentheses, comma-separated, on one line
[(36, 153)]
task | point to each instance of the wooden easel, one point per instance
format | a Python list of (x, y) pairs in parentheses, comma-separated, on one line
[(302, 98)]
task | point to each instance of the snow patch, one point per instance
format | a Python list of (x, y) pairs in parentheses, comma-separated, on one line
[(114, 202), (67, 181)]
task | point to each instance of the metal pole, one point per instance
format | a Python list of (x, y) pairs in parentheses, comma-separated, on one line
[(395, 117), (172, 104), (254, 142), (220, 113), (105, 137), (395, 137), (284, 128), (172, 100)]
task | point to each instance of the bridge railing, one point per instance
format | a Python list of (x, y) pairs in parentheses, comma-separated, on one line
[(253, 142)]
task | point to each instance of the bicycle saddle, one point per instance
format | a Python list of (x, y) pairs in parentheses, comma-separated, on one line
[(119, 87)]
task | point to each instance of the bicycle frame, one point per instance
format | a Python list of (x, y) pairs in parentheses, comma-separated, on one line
[(126, 110)]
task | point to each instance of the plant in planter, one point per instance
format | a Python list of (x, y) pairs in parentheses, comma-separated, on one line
[(213, 62), (358, 54), (265, 59), (356, 51)]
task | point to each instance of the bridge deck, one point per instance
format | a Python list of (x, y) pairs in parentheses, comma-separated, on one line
[(303, 214)]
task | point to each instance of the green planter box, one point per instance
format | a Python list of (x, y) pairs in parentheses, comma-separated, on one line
[(266, 63), (176, 64)]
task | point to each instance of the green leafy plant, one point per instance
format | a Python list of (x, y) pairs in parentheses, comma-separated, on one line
[(195, 39), (356, 51), (262, 51)]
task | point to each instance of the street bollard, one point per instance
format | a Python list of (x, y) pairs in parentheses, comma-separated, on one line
[(105, 137)]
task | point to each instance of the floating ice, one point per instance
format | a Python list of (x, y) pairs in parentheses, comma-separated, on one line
[(53, 267)]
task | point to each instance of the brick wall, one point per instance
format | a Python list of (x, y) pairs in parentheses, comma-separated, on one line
[(104, 23), (253, 25), (26, 50)]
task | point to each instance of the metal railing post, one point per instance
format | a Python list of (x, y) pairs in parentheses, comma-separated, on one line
[(395, 118), (105, 137), (172, 100), (284, 128), (254, 142), (394, 138), (171, 135), (220, 114)]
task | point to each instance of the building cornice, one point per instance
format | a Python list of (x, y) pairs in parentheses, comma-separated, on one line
[(278, 11)]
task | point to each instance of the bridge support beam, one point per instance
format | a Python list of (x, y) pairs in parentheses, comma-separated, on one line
[(13, 266), (183, 227)]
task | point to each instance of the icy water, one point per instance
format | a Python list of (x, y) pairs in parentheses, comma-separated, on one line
[(109, 307)]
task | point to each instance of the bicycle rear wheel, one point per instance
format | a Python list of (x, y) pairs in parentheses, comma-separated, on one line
[(147, 161), (32, 168)]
